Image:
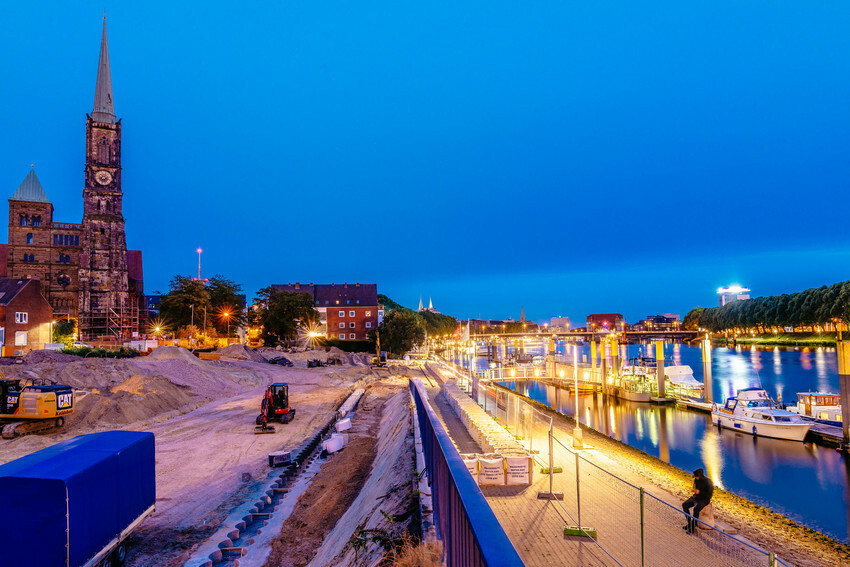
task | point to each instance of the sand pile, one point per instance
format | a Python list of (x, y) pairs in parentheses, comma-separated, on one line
[(36, 356), (301, 358), (172, 352), (240, 352), (136, 399)]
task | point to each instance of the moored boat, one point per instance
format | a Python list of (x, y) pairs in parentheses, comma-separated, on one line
[(821, 407), (753, 412)]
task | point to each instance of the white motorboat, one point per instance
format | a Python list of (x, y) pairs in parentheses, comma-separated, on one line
[(753, 412), (681, 382), (822, 407)]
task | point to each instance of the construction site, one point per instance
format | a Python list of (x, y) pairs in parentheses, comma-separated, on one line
[(253, 463)]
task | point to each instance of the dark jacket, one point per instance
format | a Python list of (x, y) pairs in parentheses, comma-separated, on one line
[(705, 487)]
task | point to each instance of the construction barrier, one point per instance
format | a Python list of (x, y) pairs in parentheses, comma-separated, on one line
[(470, 533)]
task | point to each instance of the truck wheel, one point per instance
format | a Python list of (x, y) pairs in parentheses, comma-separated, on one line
[(119, 555)]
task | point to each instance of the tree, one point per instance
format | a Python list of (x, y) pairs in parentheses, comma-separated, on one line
[(401, 332), (217, 296), (63, 332), (282, 314), (691, 322)]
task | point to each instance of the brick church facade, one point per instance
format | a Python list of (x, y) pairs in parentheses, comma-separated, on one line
[(87, 273)]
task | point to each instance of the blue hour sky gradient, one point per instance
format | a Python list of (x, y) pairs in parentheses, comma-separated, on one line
[(572, 157)]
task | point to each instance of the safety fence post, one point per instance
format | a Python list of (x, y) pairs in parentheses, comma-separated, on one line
[(642, 546)]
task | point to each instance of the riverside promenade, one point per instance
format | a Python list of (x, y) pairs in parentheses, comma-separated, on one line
[(634, 527)]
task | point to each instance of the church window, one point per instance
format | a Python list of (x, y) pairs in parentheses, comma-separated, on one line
[(77, 240), (55, 240), (103, 153), (36, 221), (29, 238), (25, 220), (66, 240)]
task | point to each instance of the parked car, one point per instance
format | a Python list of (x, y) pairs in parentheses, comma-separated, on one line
[(81, 344)]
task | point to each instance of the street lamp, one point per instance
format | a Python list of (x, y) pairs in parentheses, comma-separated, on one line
[(227, 318)]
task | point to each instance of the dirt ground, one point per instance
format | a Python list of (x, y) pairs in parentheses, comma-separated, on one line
[(334, 488), (202, 413)]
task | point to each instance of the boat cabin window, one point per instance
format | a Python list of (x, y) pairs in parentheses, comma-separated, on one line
[(731, 403), (784, 418), (766, 417)]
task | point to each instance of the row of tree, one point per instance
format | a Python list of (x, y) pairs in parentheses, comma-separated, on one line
[(810, 308), (207, 307)]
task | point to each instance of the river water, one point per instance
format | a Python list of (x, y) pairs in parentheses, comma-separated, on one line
[(805, 482)]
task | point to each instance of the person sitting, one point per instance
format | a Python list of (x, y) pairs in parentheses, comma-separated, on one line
[(703, 491)]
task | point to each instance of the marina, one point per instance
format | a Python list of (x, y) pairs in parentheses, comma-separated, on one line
[(761, 469)]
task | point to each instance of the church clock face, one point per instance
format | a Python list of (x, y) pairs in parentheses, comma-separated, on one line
[(103, 177)]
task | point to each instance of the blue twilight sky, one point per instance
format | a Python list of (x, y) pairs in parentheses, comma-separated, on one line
[(572, 157)]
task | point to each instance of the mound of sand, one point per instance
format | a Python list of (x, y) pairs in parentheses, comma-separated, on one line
[(36, 356), (171, 352), (301, 358), (240, 352), (135, 399)]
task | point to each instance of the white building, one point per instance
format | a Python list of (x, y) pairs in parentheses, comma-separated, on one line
[(732, 293), (561, 324)]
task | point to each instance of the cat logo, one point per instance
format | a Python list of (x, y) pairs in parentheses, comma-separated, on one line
[(64, 401)]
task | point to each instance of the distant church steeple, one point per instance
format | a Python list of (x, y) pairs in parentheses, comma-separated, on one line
[(430, 305), (104, 109), (522, 314), (420, 304)]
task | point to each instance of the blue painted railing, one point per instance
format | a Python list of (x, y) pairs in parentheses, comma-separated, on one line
[(470, 533)]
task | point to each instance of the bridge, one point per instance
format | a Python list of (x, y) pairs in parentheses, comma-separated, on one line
[(589, 335)]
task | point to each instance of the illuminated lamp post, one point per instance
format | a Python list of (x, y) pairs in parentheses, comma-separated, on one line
[(227, 318)]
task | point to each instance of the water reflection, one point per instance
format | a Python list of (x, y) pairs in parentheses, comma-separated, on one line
[(805, 482)]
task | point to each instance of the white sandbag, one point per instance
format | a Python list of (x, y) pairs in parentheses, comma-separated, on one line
[(518, 470), (342, 437), (491, 472), (332, 445), (343, 424), (471, 462)]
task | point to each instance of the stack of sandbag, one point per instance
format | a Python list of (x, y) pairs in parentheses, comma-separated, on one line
[(489, 435)]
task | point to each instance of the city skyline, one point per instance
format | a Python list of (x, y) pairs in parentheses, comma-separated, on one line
[(567, 160)]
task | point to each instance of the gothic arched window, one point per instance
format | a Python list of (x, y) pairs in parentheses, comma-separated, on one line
[(103, 153), (29, 238)]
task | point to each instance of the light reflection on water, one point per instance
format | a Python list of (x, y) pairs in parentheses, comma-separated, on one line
[(807, 483)]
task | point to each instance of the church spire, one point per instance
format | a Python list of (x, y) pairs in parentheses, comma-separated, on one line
[(522, 314), (430, 303), (420, 304), (104, 111)]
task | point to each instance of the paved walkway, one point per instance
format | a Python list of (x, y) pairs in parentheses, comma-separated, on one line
[(609, 504)]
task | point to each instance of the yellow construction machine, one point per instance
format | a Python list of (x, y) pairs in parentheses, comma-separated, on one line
[(33, 407)]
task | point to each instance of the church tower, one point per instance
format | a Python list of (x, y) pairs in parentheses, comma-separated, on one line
[(103, 285)]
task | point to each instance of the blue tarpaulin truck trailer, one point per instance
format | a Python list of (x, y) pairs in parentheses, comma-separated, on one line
[(74, 503)]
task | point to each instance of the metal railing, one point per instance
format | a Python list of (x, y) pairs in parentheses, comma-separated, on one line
[(470, 532), (634, 527)]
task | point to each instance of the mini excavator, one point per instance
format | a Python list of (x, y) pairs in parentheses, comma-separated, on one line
[(275, 407), (34, 407)]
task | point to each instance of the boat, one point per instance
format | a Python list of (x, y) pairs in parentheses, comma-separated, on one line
[(752, 411), (682, 384), (820, 407)]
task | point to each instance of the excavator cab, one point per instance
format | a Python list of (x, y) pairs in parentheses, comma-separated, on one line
[(10, 394)]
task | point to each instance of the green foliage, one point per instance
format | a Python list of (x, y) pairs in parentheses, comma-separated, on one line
[(63, 332), (691, 322), (282, 314), (808, 308), (401, 332), (216, 297), (96, 352), (435, 324)]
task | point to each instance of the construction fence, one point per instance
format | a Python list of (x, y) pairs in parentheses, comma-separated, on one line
[(631, 526)]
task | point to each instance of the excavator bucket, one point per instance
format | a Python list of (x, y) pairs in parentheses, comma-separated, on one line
[(260, 429)]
